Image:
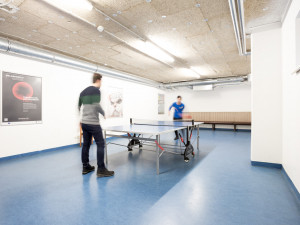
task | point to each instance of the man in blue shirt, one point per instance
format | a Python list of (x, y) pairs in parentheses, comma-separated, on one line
[(178, 108)]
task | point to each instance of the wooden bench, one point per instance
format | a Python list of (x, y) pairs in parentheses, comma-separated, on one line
[(223, 118)]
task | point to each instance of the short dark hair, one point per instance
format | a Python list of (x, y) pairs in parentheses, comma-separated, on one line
[(96, 76), (179, 96)]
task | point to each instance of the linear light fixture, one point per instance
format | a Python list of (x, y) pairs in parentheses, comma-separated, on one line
[(153, 51), (189, 73), (71, 4)]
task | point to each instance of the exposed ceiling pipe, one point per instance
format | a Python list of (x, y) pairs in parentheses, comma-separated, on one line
[(205, 82), (13, 47), (20, 49), (238, 20)]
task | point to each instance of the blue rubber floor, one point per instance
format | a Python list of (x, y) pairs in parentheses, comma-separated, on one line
[(217, 187)]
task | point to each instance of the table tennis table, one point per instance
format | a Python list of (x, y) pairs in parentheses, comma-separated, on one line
[(148, 132)]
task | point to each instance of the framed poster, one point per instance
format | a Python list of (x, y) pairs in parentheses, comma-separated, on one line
[(161, 103), (21, 99), (113, 102)]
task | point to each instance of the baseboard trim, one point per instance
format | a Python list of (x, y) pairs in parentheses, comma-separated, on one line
[(41, 151), (291, 184), (37, 152), (225, 129), (284, 173), (265, 164)]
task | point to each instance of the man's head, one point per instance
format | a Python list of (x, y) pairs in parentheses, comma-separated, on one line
[(179, 99), (97, 80)]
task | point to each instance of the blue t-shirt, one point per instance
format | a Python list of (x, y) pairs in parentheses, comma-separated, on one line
[(178, 110)]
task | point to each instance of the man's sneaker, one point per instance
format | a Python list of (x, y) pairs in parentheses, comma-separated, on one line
[(87, 169), (104, 173)]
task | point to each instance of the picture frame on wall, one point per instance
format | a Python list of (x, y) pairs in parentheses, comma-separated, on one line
[(113, 101), (21, 99), (161, 104)]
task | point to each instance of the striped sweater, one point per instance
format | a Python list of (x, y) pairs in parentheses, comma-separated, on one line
[(90, 100)]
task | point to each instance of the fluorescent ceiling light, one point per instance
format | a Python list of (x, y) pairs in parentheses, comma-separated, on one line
[(153, 51), (72, 4), (188, 72), (201, 70), (174, 46)]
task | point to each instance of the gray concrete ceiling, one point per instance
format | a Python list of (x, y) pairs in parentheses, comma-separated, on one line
[(198, 36)]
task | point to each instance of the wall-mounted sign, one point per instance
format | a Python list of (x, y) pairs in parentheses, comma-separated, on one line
[(21, 99), (161, 103)]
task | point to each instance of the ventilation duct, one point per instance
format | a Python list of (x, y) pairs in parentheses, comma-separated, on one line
[(12, 47), (8, 6), (238, 20), (205, 82)]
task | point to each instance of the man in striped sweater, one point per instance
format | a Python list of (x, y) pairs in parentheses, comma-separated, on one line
[(89, 101)]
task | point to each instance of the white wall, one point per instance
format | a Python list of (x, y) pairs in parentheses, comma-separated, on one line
[(291, 96), (233, 98), (61, 89), (266, 138)]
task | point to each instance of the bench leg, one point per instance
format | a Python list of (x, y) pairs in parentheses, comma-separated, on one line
[(214, 126), (234, 127)]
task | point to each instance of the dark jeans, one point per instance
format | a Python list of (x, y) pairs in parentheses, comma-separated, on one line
[(176, 131), (90, 131)]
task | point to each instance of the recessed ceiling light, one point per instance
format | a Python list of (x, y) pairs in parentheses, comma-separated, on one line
[(49, 21), (174, 28), (29, 35), (163, 16), (105, 64), (212, 31), (115, 14), (34, 31), (198, 5), (14, 17), (62, 17), (189, 23), (78, 46), (93, 40), (67, 36), (205, 20), (148, 1), (107, 18), (2, 19), (70, 47), (150, 21), (58, 39), (265, 9), (119, 12), (134, 26), (74, 32)]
